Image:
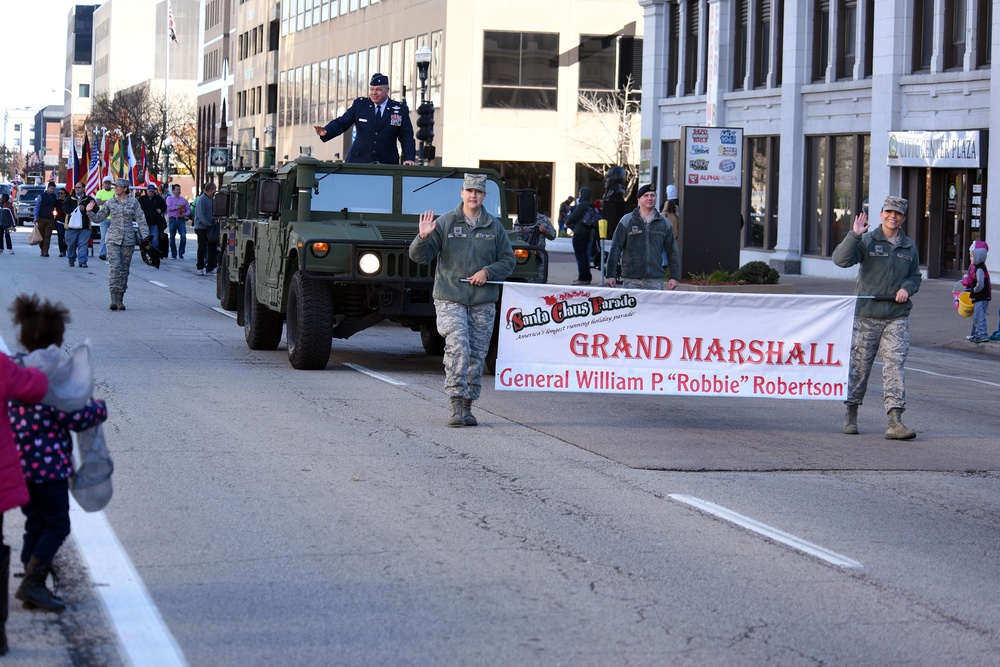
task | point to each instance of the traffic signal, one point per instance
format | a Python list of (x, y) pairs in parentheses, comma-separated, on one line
[(425, 122)]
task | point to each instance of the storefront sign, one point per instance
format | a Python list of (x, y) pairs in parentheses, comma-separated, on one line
[(934, 149), (671, 343), (713, 156)]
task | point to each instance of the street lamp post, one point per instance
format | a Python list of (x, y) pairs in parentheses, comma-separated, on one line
[(168, 145), (425, 112)]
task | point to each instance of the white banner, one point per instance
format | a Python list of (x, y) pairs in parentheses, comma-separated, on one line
[(603, 340), (935, 149)]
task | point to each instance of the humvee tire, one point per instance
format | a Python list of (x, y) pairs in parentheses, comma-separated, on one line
[(432, 341), (225, 290), (262, 327), (309, 323)]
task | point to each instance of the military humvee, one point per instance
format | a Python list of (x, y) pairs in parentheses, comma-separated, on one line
[(322, 248)]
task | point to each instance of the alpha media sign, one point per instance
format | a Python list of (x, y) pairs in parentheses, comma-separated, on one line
[(959, 149)]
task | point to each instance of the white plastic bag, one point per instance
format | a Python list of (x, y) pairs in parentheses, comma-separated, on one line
[(91, 485)]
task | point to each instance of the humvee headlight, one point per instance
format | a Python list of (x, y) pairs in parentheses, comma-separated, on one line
[(369, 263), (521, 255), (320, 250)]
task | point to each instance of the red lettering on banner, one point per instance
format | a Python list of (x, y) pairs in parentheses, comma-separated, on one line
[(772, 352), (638, 347)]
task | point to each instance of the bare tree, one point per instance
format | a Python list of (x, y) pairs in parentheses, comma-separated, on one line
[(141, 112), (617, 114), (17, 162)]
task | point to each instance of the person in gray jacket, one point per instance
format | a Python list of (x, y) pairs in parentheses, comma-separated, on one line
[(640, 240), (471, 248), (205, 228), (889, 266)]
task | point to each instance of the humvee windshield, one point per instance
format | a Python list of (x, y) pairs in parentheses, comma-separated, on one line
[(365, 193), (443, 196)]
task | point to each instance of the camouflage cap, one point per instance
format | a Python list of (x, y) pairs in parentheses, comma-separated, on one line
[(895, 204), (121, 183), (475, 182)]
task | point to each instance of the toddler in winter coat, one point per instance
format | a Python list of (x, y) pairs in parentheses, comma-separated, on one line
[(978, 282), (29, 385), (42, 434)]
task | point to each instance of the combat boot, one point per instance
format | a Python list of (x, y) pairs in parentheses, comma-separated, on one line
[(467, 417), (32, 591), (896, 430), (114, 301), (457, 412), (119, 295), (851, 420)]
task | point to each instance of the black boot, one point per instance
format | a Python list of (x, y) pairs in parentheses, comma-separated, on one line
[(457, 412), (32, 591), (4, 595), (468, 419)]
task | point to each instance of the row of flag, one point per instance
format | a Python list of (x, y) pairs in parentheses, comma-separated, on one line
[(108, 157)]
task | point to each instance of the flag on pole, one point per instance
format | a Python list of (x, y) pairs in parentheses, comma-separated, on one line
[(73, 167), (170, 22), (132, 164), (105, 158), (117, 159), (94, 171), (147, 177)]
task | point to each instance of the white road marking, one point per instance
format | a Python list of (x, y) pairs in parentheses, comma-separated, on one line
[(951, 377), (143, 637), (769, 532), (224, 312), (377, 376), (158, 283)]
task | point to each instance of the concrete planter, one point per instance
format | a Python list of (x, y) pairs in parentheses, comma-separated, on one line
[(739, 289)]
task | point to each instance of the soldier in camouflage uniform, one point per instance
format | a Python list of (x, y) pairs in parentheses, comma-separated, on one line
[(122, 209), (639, 241), (889, 266), (467, 239)]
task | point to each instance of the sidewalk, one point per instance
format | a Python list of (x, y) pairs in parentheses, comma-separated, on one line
[(934, 322)]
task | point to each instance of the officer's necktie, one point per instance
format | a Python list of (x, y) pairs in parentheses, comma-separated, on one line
[(378, 113)]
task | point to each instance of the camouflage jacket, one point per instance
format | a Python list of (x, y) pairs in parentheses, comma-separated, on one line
[(122, 212)]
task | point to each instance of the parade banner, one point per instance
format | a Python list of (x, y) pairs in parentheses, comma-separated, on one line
[(604, 340)]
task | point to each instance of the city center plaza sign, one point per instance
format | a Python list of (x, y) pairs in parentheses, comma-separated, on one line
[(955, 149), (621, 341)]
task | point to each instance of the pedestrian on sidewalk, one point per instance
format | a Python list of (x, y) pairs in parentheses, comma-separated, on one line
[(42, 435), (123, 209), (582, 221), (471, 247), (45, 216), (205, 228), (640, 240), (77, 238), (978, 283), (101, 196), (889, 266), (178, 211), (21, 384), (8, 222)]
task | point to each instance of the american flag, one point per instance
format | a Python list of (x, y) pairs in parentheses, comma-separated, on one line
[(170, 23), (94, 171)]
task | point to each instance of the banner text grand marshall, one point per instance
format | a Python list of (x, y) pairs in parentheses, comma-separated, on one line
[(677, 343)]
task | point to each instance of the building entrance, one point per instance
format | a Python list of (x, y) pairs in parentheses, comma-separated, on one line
[(945, 212)]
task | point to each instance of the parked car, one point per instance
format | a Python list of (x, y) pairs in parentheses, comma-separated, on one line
[(26, 196)]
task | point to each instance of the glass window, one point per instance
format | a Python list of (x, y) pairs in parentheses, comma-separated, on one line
[(352, 77), (410, 84), (762, 44), (691, 47), (325, 11), (428, 193), (812, 242), (673, 64), (396, 77), (821, 40), (363, 76), (984, 29), (323, 82), (314, 116), (843, 186), (306, 95), (356, 192), (535, 176), (520, 70), (847, 36), (923, 34), (333, 97), (343, 96), (282, 99), (761, 193), (954, 45), (297, 97), (84, 90), (740, 44)]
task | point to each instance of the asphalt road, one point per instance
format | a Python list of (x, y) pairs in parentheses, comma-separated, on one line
[(302, 518)]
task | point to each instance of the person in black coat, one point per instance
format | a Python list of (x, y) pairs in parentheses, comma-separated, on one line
[(379, 123), (153, 207)]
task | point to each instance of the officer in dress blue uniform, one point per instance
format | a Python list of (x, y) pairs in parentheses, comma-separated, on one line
[(379, 123)]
